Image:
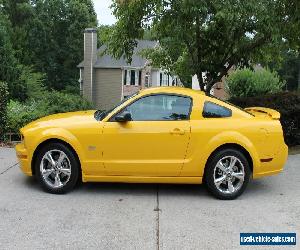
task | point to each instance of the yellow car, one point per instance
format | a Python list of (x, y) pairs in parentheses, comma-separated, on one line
[(158, 135)]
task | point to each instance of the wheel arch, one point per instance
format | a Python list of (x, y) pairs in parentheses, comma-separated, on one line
[(231, 146), (52, 140)]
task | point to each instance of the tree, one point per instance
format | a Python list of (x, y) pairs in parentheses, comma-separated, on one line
[(103, 32), (47, 36), (10, 69), (201, 36), (3, 107), (288, 68), (20, 14), (55, 41)]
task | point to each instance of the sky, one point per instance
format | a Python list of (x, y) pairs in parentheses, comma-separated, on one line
[(104, 13)]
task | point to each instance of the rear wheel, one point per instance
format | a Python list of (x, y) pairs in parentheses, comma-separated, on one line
[(227, 174), (57, 168)]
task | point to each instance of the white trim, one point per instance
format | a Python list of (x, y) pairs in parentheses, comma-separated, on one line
[(128, 77), (80, 75), (136, 78), (130, 67)]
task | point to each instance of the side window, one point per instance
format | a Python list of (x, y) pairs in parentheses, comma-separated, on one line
[(213, 110), (160, 108)]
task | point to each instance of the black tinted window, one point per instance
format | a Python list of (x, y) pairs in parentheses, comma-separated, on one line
[(160, 108), (212, 110)]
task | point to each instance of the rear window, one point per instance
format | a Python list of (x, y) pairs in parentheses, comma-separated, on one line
[(213, 110), (211, 96)]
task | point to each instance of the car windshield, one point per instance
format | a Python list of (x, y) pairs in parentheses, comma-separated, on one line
[(101, 114)]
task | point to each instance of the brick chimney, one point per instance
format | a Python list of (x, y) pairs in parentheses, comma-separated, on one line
[(90, 58)]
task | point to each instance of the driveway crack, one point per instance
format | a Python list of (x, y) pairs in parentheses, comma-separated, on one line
[(8, 168), (157, 210)]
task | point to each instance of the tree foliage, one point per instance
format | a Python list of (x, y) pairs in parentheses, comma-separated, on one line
[(288, 68), (204, 36), (3, 105), (10, 70), (45, 36), (56, 39)]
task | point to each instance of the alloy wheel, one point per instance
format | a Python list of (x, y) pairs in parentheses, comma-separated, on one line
[(55, 168), (229, 175)]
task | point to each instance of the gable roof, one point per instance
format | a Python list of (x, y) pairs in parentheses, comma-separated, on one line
[(107, 61)]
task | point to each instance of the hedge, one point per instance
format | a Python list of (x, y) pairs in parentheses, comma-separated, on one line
[(19, 114), (246, 82), (287, 103)]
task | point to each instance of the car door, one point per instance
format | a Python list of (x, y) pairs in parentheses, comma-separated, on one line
[(154, 142)]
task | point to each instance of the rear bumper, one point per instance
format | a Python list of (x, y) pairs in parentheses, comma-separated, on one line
[(23, 158), (274, 166)]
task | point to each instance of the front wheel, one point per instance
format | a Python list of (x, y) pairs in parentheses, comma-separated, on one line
[(57, 168), (227, 174)]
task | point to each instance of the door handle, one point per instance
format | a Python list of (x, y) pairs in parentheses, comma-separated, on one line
[(177, 131)]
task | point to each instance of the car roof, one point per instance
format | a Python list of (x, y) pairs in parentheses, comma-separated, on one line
[(172, 90)]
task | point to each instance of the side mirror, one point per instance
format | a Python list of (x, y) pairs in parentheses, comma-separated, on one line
[(123, 117)]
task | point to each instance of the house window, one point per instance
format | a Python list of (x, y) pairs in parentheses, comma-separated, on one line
[(125, 77), (132, 77), (140, 77), (160, 79)]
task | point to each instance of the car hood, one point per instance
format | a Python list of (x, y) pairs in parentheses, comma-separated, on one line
[(62, 120)]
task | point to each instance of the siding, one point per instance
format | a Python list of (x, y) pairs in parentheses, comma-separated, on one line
[(107, 88)]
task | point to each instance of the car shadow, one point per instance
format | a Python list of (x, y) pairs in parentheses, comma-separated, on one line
[(138, 188), (256, 188), (30, 182), (259, 187), (128, 188)]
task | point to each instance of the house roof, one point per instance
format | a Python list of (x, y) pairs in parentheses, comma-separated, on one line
[(107, 61)]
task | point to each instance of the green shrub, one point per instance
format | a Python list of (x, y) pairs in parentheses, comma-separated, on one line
[(19, 114), (245, 82), (287, 103), (3, 107), (57, 102)]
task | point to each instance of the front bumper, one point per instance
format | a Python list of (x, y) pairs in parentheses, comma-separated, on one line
[(23, 158), (274, 166)]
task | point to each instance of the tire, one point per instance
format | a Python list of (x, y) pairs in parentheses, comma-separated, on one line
[(227, 174), (57, 168)]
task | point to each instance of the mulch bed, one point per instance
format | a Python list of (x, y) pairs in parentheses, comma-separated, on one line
[(7, 144)]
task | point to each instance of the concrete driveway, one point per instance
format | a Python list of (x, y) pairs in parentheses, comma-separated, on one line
[(137, 216)]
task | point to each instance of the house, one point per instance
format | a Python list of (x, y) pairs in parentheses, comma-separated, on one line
[(105, 81), (218, 90)]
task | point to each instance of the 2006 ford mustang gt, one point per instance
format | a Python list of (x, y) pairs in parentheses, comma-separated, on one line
[(159, 135)]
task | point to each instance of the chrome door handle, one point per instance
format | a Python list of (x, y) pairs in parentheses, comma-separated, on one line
[(177, 131)]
